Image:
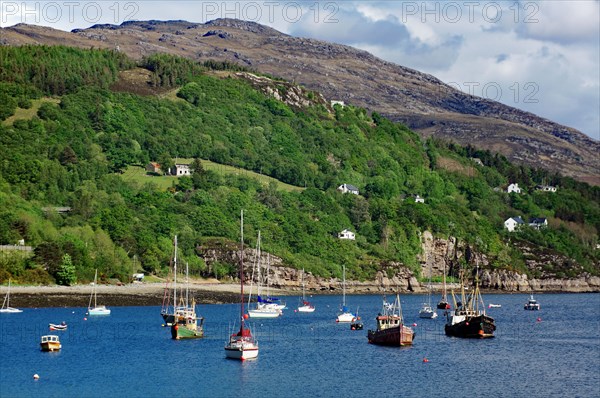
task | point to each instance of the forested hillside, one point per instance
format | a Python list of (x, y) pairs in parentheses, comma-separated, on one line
[(90, 123)]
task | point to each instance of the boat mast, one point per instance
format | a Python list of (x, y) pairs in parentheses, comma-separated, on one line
[(344, 285), (95, 283), (175, 277), (242, 269)]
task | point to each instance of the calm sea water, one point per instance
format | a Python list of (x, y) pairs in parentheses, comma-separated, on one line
[(130, 354)]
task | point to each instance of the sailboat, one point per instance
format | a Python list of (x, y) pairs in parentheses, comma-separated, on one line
[(263, 308), (469, 318), (391, 330), (346, 315), (304, 305), (242, 345), (97, 309), (6, 308), (168, 311), (443, 304), (427, 310), (185, 322)]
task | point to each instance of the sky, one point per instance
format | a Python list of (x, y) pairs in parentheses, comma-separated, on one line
[(539, 56)]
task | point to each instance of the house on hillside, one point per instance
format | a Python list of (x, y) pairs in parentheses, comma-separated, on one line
[(347, 188), (514, 187), (538, 222), (546, 188), (181, 170), (513, 223), (336, 102), (477, 161), (346, 234), (153, 167), (419, 199)]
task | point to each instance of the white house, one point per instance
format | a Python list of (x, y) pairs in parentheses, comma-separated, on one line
[(336, 102), (181, 170), (347, 188), (513, 223), (546, 188), (538, 222), (419, 199), (513, 188), (345, 234), (138, 277)]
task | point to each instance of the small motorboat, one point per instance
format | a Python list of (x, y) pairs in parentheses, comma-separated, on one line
[(54, 326), (50, 343), (356, 326), (494, 305), (532, 304)]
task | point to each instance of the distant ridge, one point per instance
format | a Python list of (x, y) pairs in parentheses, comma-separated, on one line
[(340, 72)]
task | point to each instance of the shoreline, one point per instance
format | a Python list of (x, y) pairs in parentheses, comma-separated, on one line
[(152, 294)]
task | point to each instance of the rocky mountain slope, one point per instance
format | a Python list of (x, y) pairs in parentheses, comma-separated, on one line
[(340, 72)]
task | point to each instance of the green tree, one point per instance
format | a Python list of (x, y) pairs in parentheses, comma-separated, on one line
[(66, 272)]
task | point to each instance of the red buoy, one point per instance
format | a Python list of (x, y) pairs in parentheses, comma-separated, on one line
[(245, 316), (425, 360)]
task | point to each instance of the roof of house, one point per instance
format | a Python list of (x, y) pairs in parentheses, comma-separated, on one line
[(517, 219), (350, 187)]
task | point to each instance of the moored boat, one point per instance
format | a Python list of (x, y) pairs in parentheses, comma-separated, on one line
[(444, 304), (427, 310), (57, 326), (50, 343), (532, 304), (96, 309), (242, 345), (469, 319), (391, 330), (305, 305), (345, 315), (6, 308)]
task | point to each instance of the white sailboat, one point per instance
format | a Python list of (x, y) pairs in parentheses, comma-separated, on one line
[(427, 311), (345, 315), (262, 308), (304, 305), (6, 308), (96, 309), (242, 345)]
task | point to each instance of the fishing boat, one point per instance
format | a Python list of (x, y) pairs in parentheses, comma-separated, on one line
[(427, 310), (443, 304), (532, 304), (391, 330), (6, 308), (345, 315), (469, 319), (185, 322), (57, 326), (96, 309), (50, 343), (304, 305), (242, 345), (264, 308)]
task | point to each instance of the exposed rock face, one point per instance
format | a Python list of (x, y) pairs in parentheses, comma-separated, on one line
[(437, 253), (421, 101)]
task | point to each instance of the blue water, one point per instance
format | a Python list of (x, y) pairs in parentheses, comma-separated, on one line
[(130, 354)]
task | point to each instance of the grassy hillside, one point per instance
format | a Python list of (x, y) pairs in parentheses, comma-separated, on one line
[(251, 151)]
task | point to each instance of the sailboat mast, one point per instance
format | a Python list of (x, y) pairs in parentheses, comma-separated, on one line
[(242, 267), (95, 283), (175, 276), (344, 285)]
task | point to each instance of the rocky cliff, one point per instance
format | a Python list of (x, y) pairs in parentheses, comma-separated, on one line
[(439, 254)]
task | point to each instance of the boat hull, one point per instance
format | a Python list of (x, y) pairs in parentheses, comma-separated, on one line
[(10, 310), (179, 332), (50, 347), (238, 353), (532, 307), (477, 327), (264, 314), (99, 310), (345, 317), (443, 305), (306, 308), (398, 336)]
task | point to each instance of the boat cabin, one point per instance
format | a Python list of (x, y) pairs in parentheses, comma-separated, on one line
[(388, 321)]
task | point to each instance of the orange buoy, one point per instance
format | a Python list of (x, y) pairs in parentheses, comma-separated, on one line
[(425, 360), (245, 316)]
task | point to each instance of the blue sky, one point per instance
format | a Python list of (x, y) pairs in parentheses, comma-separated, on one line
[(539, 56)]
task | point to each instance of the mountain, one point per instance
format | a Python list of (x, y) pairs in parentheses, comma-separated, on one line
[(421, 101)]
